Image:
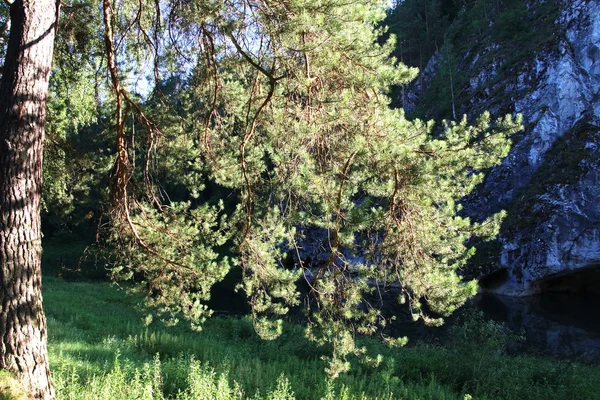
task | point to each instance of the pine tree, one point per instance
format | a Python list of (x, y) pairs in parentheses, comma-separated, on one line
[(258, 118), (23, 90), (285, 105)]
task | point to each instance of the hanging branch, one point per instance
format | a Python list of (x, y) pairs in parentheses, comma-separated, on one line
[(338, 223), (212, 61), (252, 126), (121, 175)]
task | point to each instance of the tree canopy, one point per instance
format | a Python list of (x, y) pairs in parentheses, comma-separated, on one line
[(202, 135)]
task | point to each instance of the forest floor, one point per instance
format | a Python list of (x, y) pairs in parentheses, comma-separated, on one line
[(101, 348)]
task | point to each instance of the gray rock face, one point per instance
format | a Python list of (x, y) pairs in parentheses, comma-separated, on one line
[(562, 240), (550, 182)]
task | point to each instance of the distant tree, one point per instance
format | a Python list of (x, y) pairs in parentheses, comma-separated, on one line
[(451, 71), (420, 27)]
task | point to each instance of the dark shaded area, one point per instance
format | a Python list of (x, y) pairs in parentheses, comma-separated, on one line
[(72, 256), (577, 282), (495, 279), (225, 299), (563, 325)]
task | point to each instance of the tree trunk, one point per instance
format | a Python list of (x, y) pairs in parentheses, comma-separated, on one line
[(23, 95)]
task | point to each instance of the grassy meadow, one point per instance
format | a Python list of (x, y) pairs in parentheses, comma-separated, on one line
[(100, 348)]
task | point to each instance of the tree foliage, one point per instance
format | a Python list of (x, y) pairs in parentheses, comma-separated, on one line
[(466, 36), (234, 125)]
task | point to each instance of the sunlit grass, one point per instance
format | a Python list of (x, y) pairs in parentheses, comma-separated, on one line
[(100, 349)]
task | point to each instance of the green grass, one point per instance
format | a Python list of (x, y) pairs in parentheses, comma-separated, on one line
[(10, 388), (100, 349), (96, 335)]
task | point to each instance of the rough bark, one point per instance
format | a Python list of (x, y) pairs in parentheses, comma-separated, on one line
[(23, 95)]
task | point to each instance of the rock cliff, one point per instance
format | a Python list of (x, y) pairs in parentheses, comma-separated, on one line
[(550, 182), (549, 71)]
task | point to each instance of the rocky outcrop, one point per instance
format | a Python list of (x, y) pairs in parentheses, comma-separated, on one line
[(554, 232), (550, 182)]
